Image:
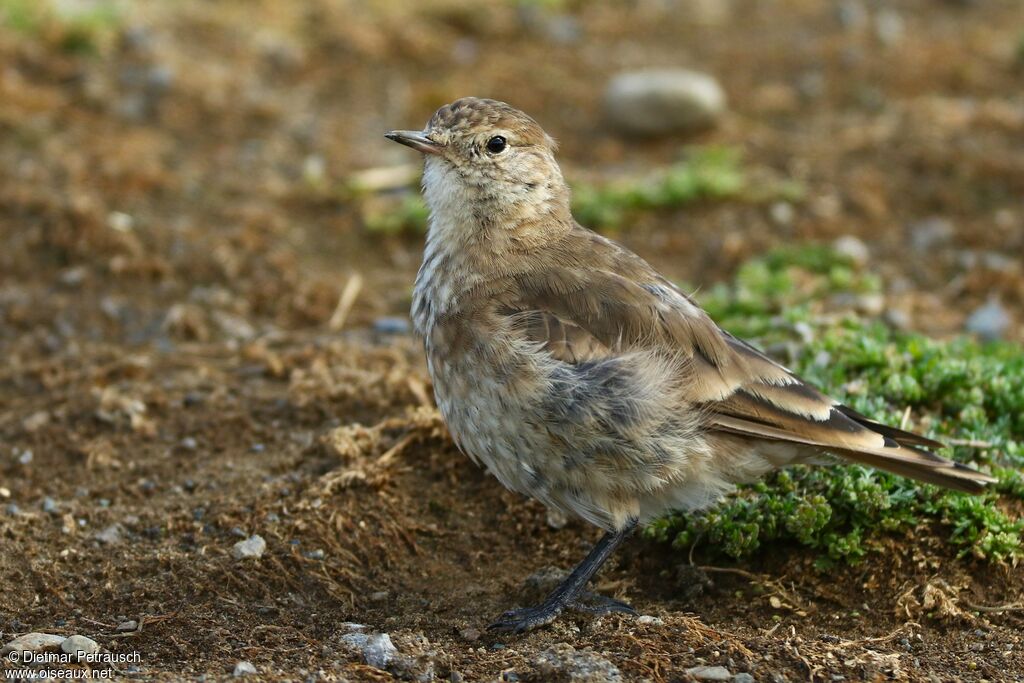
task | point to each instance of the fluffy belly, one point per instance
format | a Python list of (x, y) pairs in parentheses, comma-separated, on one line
[(609, 440)]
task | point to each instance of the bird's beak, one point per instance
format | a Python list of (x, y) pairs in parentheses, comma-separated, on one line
[(415, 139)]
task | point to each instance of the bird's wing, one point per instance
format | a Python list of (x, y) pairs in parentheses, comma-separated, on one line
[(594, 299)]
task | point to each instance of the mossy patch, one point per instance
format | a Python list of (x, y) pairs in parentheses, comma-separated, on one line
[(966, 393)]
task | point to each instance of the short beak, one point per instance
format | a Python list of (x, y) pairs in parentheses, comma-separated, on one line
[(415, 139)]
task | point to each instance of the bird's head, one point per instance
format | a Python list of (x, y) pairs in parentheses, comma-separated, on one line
[(487, 161)]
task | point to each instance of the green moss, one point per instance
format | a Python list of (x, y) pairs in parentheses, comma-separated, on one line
[(72, 28), (955, 389)]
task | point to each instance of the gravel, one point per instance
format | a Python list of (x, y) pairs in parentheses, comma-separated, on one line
[(658, 102), (376, 649), (251, 548), (565, 662)]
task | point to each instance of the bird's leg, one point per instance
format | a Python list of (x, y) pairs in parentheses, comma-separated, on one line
[(569, 592)]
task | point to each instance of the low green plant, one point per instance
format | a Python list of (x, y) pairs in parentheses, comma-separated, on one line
[(75, 28), (962, 390)]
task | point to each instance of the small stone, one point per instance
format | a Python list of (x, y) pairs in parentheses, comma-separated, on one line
[(189, 443), (25, 458), (379, 596), (648, 620), (315, 554), (989, 322), (471, 634), (112, 535), (564, 662), (50, 505), (252, 547), (743, 678), (5, 492), (128, 626), (852, 248), (710, 673), (782, 213), (379, 650), (244, 668), (12, 509), (392, 325), (931, 233), (657, 102), (79, 646), (35, 421), (33, 642), (889, 26)]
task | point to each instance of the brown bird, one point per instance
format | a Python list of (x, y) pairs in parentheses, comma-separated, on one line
[(582, 377)]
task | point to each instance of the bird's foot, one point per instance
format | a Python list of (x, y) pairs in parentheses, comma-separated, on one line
[(595, 603), (529, 618)]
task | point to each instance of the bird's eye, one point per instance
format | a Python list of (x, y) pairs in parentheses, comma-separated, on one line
[(496, 144)]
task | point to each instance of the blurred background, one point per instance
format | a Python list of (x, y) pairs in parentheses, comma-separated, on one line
[(208, 249)]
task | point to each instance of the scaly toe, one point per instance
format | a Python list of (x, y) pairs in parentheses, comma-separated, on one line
[(523, 620)]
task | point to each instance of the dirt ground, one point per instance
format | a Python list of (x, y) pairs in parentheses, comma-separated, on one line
[(178, 374)]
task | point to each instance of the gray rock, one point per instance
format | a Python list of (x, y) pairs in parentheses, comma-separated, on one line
[(565, 662), (743, 678), (391, 325), (889, 27), (244, 668), (50, 505), (127, 626), (930, 233), (989, 322), (657, 102), (710, 673), (251, 548), (648, 620), (72, 645), (852, 248), (379, 650), (12, 509), (112, 535), (376, 649), (33, 642)]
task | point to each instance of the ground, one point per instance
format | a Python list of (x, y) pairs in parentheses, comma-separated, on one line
[(182, 368)]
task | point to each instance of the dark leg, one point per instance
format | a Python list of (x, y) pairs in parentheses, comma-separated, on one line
[(569, 591)]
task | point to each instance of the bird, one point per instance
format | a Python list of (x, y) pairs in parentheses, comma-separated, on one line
[(581, 377)]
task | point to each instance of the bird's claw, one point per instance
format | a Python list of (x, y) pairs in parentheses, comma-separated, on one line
[(526, 619)]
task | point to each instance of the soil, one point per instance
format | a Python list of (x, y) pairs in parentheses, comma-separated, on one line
[(179, 374)]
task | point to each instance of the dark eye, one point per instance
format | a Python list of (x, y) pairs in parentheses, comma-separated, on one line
[(496, 144)]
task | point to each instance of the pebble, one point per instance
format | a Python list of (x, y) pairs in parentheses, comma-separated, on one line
[(648, 620), (710, 673), (76, 643), (392, 325), (377, 649), (252, 547), (989, 322), (25, 458), (743, 678), (126, 626), (657, 102), (244, 668), (566, 663), (931, 233), (34, 642), (852, 248), (112, 535), (49, 505), (12, 509)]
